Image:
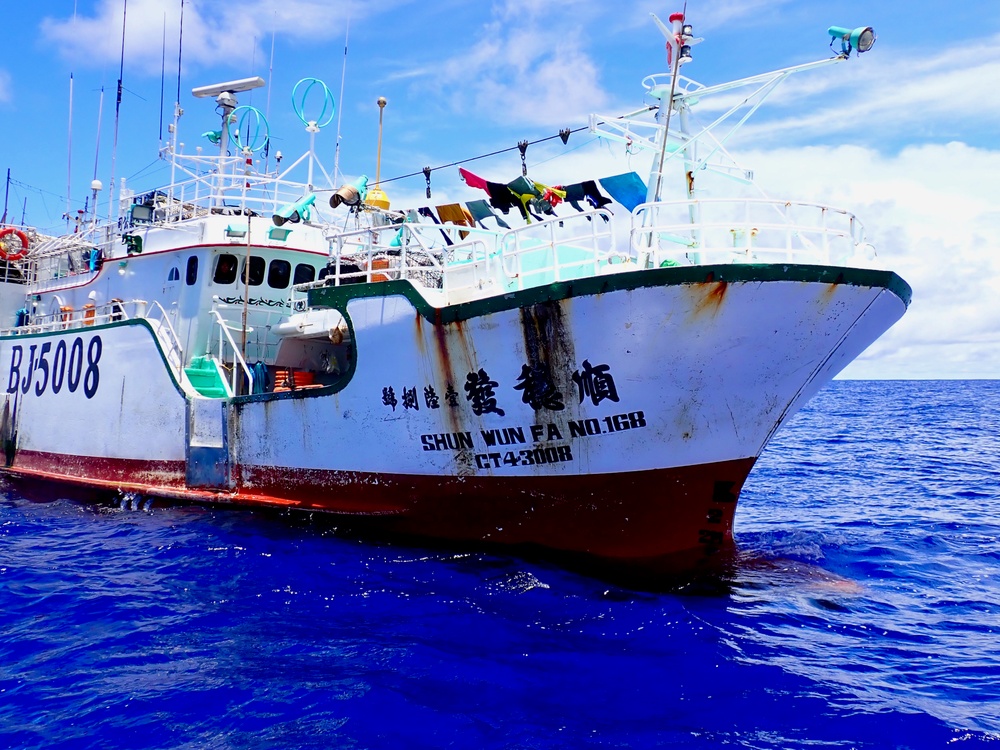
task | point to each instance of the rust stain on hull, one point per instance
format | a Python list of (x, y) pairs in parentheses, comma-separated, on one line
[(712, 299)]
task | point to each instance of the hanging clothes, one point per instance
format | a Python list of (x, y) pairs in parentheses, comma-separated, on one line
[(628, 189), (585, 191), (529, 198), (481, 211), (472, 180), (425, 211), (456, 213), (503, 200), (553, 196)]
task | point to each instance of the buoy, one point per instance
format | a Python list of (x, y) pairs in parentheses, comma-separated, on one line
[(4, 255)]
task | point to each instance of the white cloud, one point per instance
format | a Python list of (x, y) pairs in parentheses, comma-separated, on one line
[(717, 14), (6, 92), (931, 212), (214, 31), (529, 65)]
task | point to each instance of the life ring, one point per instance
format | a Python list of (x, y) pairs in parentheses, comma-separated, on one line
[(4, 255)]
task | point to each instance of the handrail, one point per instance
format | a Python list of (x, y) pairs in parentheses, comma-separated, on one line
[(237, 356), (512, 248), (742, 230), (172, 339)]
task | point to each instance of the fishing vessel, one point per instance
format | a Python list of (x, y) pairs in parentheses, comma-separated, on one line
[(589, 368)]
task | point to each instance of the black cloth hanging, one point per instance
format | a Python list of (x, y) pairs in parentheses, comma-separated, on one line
[(585, 191)]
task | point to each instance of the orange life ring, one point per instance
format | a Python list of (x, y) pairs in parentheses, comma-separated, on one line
[(4, 255)]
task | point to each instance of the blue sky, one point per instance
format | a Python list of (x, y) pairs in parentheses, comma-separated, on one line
[(905, 136)]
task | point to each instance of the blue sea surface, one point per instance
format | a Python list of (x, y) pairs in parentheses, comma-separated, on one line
[(863, 611)]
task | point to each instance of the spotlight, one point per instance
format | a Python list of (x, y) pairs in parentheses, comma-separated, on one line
[(295, 212), (350, 194), (862, 38)]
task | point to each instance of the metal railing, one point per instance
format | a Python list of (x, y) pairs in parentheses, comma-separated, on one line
[(463, 262), (166, 333), (744, 231), (558, 249), (226, 337)]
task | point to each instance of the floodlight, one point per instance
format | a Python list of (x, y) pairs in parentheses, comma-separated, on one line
[(861, 38), (295, 212), (350, 194)]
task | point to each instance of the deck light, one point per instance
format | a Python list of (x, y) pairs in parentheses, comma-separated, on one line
[(350, 194), (862, 38), (301, 210)]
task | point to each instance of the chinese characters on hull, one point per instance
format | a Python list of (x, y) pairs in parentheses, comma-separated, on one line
[(536, 384)]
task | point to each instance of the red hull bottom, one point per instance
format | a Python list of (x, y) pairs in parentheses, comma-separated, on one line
[(664, 518)]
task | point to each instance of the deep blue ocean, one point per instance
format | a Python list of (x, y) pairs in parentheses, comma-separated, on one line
[(863, 611)]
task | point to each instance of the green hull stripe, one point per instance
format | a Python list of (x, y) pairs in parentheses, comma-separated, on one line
[(338, 296)]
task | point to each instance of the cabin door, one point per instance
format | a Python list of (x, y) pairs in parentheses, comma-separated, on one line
[(171, 289)]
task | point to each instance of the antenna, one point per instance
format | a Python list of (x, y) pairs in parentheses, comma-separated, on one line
[(69, 139), (267, 106), (340, 110), (112, 203), (69, 151), (223, 93), (97, 149), (163, 73), (177, 105), (228, 87)]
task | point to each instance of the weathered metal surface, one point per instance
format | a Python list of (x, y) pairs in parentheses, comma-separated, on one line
[(207, 444), (621, 423), (93, 393)]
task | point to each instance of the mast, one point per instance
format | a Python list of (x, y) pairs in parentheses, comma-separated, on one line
[(679, 40)]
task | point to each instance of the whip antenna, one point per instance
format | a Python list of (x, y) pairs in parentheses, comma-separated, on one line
[(69, 152), (340, 107), (112, 204)]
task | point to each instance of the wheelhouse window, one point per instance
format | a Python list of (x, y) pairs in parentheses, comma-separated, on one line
[(304, 273), (278, 274), (225, 269), (192, 270), (255, 275)]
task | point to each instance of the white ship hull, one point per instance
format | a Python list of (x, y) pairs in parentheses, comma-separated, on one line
[(664, 386)]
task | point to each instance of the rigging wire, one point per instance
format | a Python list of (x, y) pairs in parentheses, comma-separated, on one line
[(481, 156), (563, 135)]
